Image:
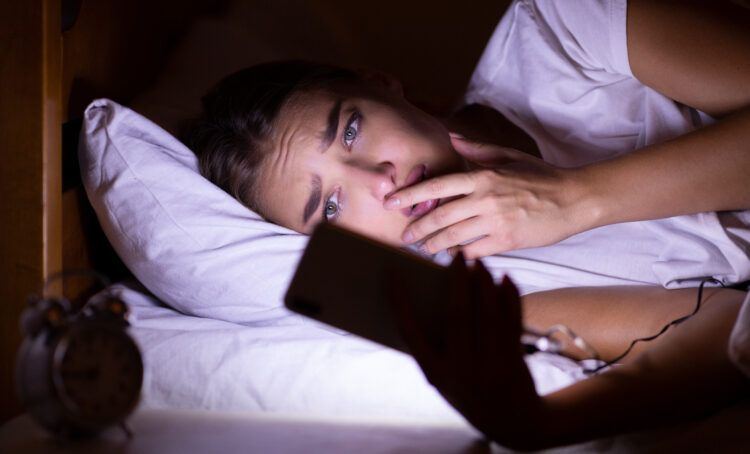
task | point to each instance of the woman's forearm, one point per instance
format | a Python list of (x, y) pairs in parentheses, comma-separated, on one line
[(685, 376), (481, 372), (706, 170), (516, 201), (610, 318)]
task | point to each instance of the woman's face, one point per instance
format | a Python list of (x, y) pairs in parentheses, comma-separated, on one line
[(336, 157)]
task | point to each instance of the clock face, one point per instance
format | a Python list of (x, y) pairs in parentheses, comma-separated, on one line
[(97, 372)]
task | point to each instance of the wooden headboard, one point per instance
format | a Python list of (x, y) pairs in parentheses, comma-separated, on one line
[(47, 76)]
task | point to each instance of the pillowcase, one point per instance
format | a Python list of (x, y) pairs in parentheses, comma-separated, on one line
[(190, 243)]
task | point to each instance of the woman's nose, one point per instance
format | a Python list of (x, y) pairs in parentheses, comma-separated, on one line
[(379, 180)]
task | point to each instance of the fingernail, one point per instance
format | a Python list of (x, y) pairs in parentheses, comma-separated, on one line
[(407, 237), (423, 248), (456, 135), (393, 202)]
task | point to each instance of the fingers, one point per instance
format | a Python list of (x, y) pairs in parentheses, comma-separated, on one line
[(509, 299), (455, 235), (488, 245), (489, 319), (481, 229), (440, 218), (458, 320), (408, 326), (451, 185)]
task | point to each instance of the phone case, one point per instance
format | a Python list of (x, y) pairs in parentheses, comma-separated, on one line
[(341, 280)]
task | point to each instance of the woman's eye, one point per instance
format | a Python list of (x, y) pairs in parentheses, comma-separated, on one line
[(351, 130), (331, 207)]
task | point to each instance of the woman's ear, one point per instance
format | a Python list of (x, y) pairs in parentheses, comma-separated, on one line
[(381, 79)]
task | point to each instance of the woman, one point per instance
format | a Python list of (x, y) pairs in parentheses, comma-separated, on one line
[(302, 144)]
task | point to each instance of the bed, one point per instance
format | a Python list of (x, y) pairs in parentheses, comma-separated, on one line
[(58, 56), (235, 356)]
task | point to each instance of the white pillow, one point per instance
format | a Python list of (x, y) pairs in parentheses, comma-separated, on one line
[(190, 243)]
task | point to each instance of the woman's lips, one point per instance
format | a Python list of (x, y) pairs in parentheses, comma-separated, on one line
[(423, 208), (418, 174)]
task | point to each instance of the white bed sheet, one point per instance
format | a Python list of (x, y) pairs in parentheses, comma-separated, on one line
[(289, 366)]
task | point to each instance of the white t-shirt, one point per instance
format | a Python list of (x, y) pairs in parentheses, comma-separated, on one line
[(560, 71), (563, 67)]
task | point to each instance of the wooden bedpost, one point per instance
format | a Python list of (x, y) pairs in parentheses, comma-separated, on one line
[(30, 167)]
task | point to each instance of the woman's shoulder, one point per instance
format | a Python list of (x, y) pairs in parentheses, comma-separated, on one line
[(591, 33), (576, 43), (560, 70)]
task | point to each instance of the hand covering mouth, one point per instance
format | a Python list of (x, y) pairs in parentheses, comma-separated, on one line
[(417, 175)]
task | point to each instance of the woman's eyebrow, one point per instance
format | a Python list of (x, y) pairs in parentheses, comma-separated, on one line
[(313, 200), (333, 127), (330, 134)]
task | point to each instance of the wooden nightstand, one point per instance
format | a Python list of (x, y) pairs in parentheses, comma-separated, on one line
[(172, 431)]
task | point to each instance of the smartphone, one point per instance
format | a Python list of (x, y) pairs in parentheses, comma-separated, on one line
[(341, 281)]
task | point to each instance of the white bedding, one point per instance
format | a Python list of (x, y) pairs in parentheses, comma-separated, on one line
[(288, 366)]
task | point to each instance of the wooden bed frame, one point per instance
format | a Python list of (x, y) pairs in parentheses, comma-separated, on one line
[(47, 77)]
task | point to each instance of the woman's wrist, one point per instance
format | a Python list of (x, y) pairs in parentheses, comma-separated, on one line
[(586, 198)]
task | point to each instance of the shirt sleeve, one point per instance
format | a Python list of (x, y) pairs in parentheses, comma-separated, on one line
[(593, 33)]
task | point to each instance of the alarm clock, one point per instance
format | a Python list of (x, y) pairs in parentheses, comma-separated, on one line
[(78, 371)]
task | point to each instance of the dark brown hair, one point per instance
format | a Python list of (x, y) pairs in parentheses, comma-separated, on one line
[(239, 114)]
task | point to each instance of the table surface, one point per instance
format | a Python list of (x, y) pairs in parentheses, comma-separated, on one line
[(197, 431), (177, 431)]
